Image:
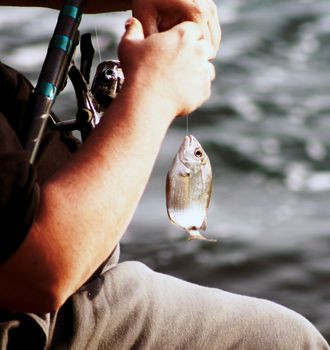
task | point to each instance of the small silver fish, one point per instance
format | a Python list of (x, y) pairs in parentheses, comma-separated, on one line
[(189, 187)]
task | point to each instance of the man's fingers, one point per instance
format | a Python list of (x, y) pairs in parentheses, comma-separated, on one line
[(148, 19), (162, 15), (189, 30), (212, 71), (134, 30), (205, 14), (214, 26), (207, 49), (133, 33)]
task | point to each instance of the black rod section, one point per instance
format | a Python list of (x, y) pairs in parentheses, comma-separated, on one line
[(54, 71)]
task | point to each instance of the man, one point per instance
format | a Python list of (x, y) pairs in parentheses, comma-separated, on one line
[(64, 217)]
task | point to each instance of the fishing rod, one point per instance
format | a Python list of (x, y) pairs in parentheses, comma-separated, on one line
[(53, 75), (58, 66)]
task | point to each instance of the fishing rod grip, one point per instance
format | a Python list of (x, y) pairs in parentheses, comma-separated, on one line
[(54, 72)]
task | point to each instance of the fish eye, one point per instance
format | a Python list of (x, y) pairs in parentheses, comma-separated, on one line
[(198, 153)]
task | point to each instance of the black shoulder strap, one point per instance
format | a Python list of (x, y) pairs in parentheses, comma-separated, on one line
[(15, 98)]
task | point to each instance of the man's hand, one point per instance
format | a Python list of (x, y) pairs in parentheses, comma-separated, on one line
[(160, 15), (172, 66)]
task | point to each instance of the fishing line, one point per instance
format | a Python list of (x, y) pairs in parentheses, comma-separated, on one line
[(97, 43), (187, 124)]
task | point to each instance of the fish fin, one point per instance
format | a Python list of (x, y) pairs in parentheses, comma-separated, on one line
[(185, 173), (195, 235), (204, 225)]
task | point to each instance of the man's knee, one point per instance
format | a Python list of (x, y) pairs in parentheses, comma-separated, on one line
[(276, 327)]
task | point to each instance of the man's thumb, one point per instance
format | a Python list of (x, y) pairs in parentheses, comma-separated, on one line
[(134, 30)]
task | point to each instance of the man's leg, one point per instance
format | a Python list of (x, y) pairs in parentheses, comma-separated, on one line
[(133, 307)]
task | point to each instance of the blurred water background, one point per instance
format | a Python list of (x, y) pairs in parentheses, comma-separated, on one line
[(266, 129)]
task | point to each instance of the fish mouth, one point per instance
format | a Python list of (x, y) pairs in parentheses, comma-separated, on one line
[(189, 139)]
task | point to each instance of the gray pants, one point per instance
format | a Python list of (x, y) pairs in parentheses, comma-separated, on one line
[(130, 306)]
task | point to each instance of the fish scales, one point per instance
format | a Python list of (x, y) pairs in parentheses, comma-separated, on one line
[(188, 188)]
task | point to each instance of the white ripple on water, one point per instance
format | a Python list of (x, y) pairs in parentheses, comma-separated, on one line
[(27, 58)]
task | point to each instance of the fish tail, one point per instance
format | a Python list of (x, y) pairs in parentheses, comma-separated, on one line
[(196, 235)]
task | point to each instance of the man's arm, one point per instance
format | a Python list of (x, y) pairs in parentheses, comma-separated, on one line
[(86, 206)]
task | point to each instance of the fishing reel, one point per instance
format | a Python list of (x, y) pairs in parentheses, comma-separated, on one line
[(107, 83), (92, 101)]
